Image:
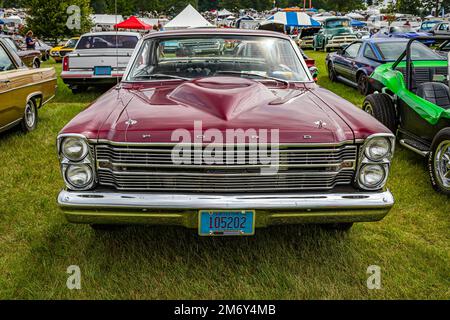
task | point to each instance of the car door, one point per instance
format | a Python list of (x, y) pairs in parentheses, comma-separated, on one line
[(8, 111), (347, 66)]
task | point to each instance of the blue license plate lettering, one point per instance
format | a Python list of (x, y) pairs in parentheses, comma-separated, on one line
[(226, 222)]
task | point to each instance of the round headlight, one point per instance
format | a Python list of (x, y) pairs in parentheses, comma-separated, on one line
[(377, 148), (79, 175), (74, 149), (372, 175)]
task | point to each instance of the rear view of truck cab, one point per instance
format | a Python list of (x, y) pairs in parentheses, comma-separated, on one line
[(99, 59)]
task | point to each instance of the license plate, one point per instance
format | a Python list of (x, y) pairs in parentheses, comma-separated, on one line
[(226, 222), (102, 71)]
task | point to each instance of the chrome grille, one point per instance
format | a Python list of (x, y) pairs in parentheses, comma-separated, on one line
[(151, 168)]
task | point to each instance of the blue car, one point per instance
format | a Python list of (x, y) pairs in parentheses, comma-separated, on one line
[(404, 32), (354, 64), (428, 25)]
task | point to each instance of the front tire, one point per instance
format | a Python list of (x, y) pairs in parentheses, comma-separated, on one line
[(331, 73), (29, 120), (381, 107), (439, 162), (363, 84)]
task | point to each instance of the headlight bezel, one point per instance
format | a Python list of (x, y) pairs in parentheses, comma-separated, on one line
[(373, 140), (383, 161), (88, 160), (379, 183), (84, 145), (70, 182)]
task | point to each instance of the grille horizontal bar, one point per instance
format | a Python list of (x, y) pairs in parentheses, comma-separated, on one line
[(151, 168)]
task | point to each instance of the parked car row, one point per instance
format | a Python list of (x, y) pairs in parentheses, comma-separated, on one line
[(332, 159)]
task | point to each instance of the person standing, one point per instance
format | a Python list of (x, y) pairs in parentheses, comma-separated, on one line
[(31, 45)]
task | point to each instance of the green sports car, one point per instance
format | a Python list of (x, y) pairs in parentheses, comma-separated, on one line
[(412, 99)]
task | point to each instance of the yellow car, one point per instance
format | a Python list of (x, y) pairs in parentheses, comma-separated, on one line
[(22, 90), (59, 52)]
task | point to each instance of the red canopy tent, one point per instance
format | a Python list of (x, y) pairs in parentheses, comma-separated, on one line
[(132, 23)]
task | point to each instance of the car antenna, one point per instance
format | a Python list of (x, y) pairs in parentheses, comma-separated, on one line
[(117, 46)]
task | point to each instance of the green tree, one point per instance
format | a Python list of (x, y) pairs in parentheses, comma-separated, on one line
[(48, 18)]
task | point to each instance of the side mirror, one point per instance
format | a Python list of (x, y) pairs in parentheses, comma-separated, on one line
[(314, 73)]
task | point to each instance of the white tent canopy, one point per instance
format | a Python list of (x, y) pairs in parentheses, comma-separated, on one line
[(188, 18), (224, 12)]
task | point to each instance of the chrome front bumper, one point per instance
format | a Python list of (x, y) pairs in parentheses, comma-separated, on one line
[(182, 209)]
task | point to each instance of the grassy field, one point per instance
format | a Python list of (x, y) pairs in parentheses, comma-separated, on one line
[(411, 245)]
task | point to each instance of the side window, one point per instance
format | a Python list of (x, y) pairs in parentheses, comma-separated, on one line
[(5, 61), (368, 52), (352, 50)]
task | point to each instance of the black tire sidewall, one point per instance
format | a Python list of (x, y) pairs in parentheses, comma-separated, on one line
[(365, 91)]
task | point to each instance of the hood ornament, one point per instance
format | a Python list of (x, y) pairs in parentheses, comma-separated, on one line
[(130, 122), (320, 124)]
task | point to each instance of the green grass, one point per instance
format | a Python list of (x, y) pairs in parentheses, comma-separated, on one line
[(411, 245)]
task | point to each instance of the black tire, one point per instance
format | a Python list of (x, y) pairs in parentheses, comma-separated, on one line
[(363, 84), (341, 227), (381, 107), (30, 117), (36, 63), (79, 89), (439, 162), (331, 73)]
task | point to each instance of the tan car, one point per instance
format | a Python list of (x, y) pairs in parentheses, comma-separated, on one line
[(22, 90)]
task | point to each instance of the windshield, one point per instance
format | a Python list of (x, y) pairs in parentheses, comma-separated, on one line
[(206, 56), (391, 51), (71, 43), (428, 25), (12, 45), (107, 41), (338, 23)]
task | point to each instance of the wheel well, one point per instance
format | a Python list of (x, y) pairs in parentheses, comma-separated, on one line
[(358, 73), (36, 98)]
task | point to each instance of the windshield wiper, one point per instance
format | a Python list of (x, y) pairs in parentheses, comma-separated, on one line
[(254, 74), (161, 75)]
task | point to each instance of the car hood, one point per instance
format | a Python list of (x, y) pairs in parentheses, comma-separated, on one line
[(152, 113), (56, 48)]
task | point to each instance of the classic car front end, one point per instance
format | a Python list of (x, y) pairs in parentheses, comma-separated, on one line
[(117, 156), (335, 33)]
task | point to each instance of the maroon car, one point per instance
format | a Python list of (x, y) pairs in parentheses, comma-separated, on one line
[(223, 141)]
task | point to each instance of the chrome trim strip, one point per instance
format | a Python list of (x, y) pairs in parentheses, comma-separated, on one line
[(28, 85), (410, 147), (301, 201), (46, 101), (10, 125), (172, 144)]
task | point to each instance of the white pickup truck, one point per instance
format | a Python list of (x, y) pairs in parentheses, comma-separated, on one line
[(99, 59)]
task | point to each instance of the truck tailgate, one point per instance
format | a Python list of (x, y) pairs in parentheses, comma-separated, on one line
[(87, 59)]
